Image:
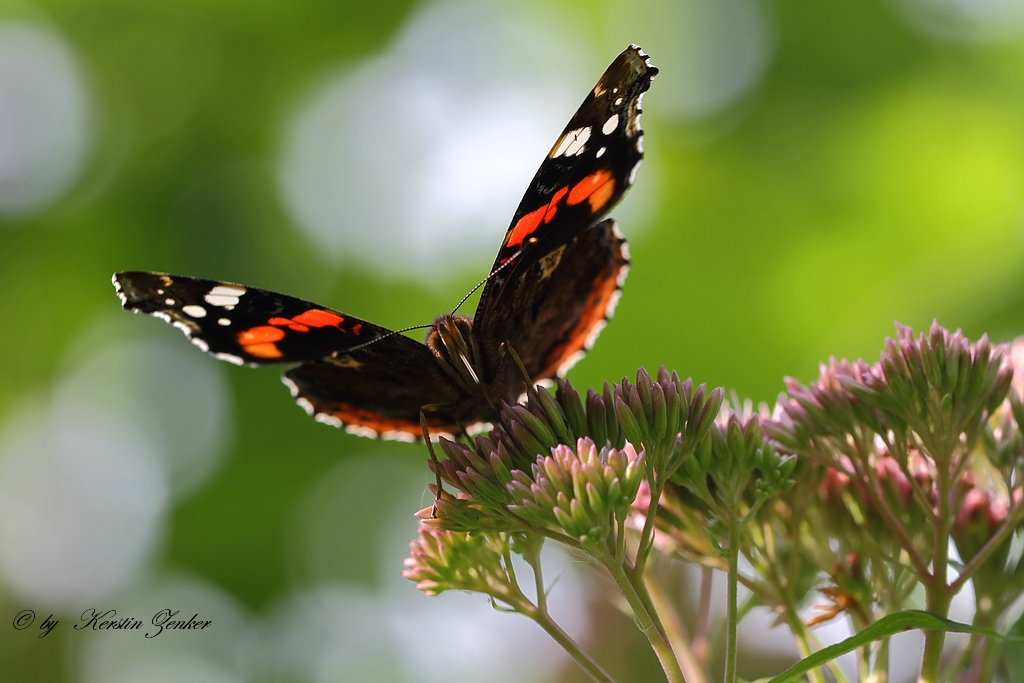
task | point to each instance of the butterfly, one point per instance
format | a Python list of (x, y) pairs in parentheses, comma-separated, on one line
[(555, 282)]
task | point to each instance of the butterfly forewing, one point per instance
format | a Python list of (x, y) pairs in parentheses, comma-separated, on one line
[(587, 171), (245, 325)]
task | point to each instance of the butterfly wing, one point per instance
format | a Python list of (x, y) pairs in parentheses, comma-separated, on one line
[(351, 373), (381, 395), (244, 325), (588, 170), (555, 310)]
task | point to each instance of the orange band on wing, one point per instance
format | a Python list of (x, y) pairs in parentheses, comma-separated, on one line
[(595, 311), (596, 188), (526, 225), (259, 341), (260, 335), (318, 318), (383, 424), (263, 350)]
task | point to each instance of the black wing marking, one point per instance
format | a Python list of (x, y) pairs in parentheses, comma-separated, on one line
[(246, 325), (555, 309), (588, 170)]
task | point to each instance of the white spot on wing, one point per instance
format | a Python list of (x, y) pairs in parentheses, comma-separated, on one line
[(331, 420), (306, 405), (169, 302), (613, 301), (194, 311), (624, 272), (595, 331), (203, 346), (572, 143), (292, 386), (567, 364), (160, 315), (227, 302), (618, 101), (610, 125), (117, 288), (601, 152), (632, 173), (398, 435), (230, 358), (358, 430), (224, 322), (225, 296), (479, 428), (228, 290)]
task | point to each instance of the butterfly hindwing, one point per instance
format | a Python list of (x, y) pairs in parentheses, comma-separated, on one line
[(554, 310), (380, 396)]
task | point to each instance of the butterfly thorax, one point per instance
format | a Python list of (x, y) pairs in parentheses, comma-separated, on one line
[(453, 343)]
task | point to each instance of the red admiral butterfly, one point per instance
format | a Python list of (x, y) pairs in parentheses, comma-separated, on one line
[(554, 283)]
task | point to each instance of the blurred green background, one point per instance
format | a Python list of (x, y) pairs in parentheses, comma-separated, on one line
[(814, 172)]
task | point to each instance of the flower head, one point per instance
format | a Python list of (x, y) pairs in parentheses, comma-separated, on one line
[(449, 560)]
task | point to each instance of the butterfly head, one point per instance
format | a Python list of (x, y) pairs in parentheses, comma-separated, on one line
[(453, 343)]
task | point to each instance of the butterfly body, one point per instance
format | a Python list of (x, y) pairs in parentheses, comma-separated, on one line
[(554, 283)]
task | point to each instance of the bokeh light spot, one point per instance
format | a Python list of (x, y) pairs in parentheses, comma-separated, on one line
[(418, 157), (43, 117)]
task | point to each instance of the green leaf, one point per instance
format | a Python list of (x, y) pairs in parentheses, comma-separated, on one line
[(1013, 653), (884, 627)]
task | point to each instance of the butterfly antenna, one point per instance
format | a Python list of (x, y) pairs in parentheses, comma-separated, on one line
[(392, 333), (494, 272)]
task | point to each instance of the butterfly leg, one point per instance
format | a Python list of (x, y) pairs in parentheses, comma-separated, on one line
[(430, 449), (506, 347)]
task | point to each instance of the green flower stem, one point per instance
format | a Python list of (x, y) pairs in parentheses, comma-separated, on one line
[(937, 591), (998, 538), (568, 644), (532, 557), (803, 645), (894, 524), (880, 667), (938, 604), (643, 549), (701, 641), (919, 493), (676, 633), (982, 648), (639, 585), (539, 614), (732, 618), (658, 642)]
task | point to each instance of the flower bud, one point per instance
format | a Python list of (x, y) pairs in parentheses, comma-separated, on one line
[(569, 399), (628, 422), (596, 418), (554, 415)]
